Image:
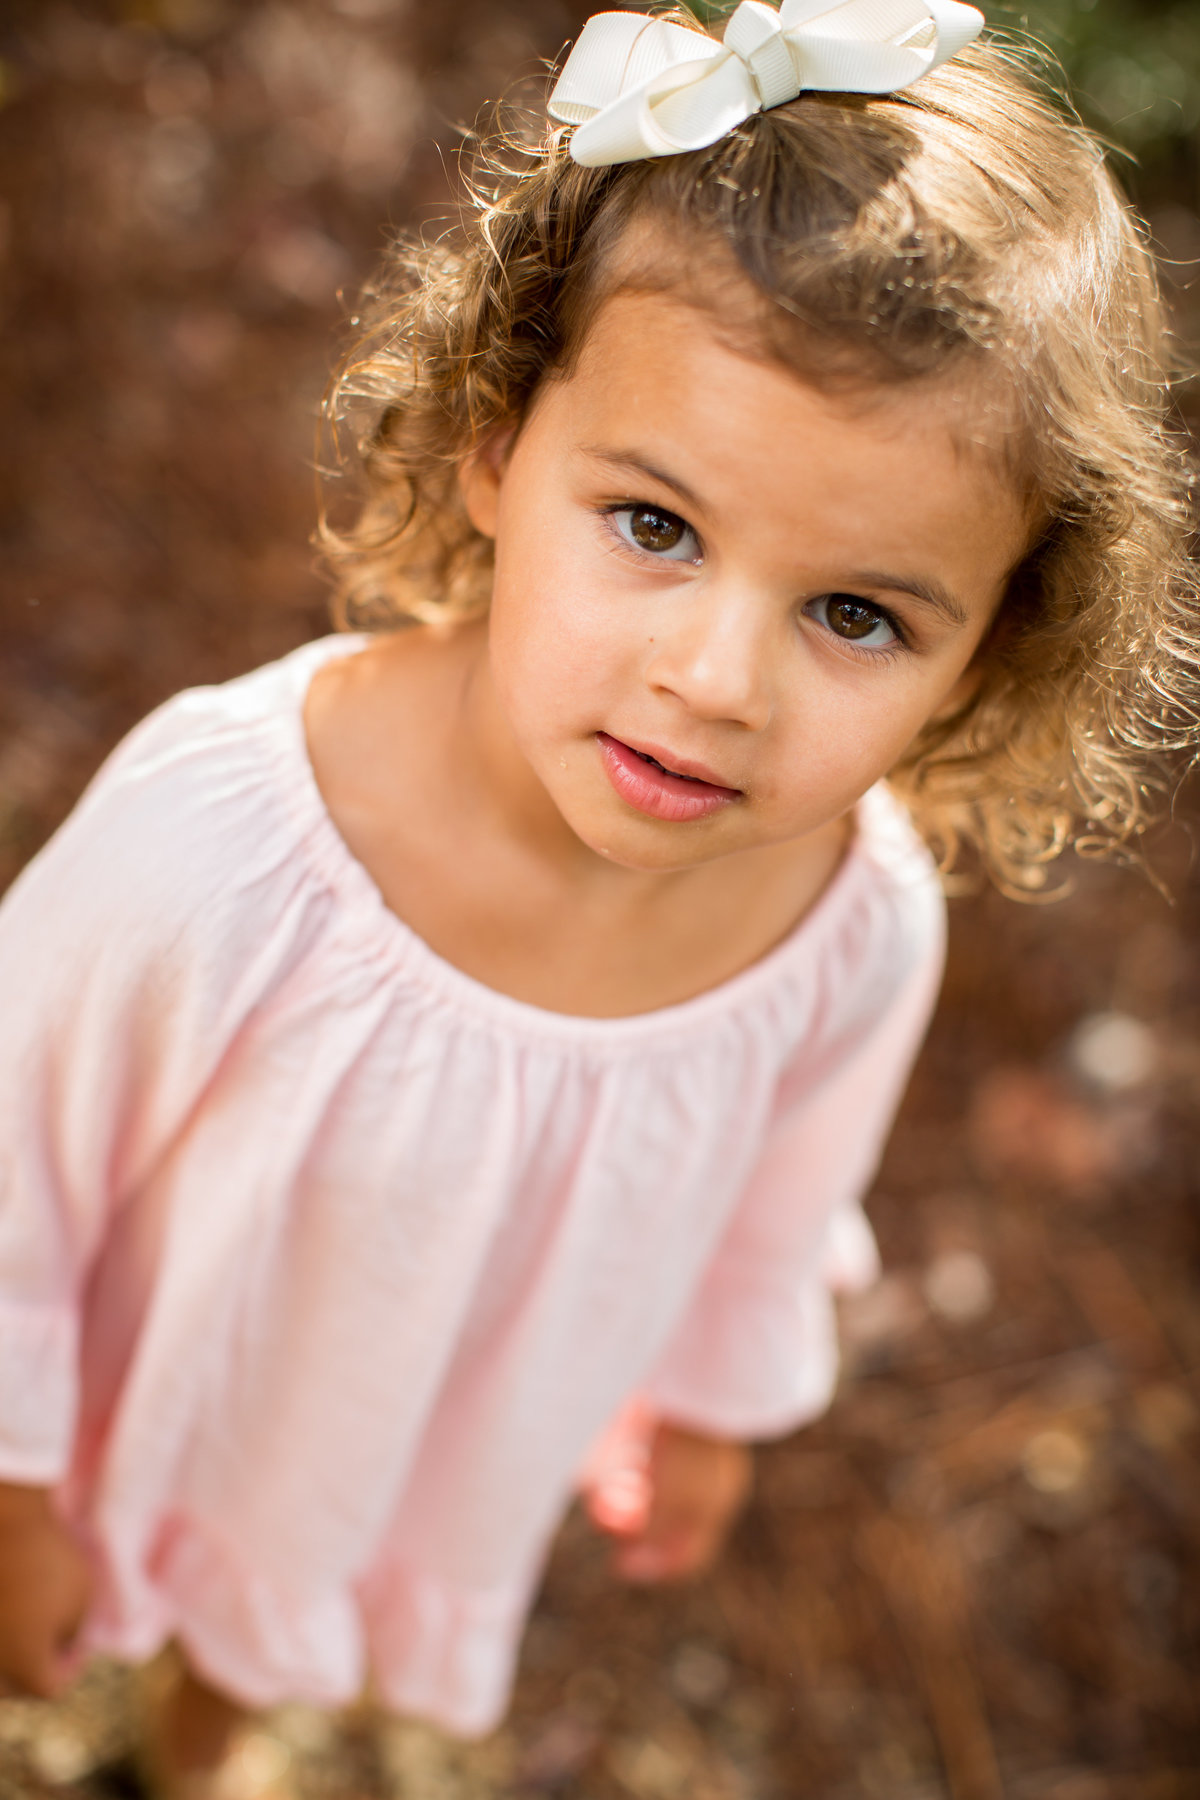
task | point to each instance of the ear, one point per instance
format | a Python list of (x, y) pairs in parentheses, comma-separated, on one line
[(481, 476)]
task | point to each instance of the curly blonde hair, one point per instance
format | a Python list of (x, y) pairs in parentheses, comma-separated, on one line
[(966, 224)]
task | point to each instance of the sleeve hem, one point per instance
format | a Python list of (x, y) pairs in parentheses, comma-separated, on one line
[(741, 1423), (31, 1471)]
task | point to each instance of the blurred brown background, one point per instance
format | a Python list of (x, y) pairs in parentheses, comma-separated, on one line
[(977, 1578)]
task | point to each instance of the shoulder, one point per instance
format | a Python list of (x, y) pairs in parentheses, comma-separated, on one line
[(889, 927), (252, 717), (900, 870), (233, 752), (207, 803)]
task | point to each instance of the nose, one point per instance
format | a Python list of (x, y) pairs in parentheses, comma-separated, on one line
[(715, 658)]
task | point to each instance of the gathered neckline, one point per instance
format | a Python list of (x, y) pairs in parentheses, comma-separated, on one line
[(391, 937)]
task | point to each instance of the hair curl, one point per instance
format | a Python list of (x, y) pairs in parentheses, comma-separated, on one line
[(966, 225)]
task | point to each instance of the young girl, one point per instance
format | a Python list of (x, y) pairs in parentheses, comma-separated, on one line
[(454, 1048)]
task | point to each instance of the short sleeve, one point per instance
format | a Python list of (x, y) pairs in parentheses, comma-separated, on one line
[(755, 1354), (129, 948)]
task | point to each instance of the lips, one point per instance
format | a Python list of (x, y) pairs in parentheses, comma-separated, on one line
[(645, 782)]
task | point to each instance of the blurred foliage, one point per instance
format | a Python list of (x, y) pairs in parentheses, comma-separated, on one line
[(1134, 67), (1134, 72)]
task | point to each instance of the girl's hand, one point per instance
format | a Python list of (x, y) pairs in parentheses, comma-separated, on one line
[(45, 1585), (671, 1518)]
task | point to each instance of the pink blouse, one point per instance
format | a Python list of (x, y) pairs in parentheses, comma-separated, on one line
[(323, 1266)]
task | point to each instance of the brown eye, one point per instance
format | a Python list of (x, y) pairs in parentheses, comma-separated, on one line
[(652, 530), (656, 532), (855, 621), (850, 618)]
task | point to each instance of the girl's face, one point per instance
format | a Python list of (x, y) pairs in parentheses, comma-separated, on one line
[(725, 602)]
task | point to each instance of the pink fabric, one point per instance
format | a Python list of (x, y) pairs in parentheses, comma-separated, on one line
[(322, 1266)]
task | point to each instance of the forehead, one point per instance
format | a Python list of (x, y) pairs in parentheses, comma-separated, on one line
[(664, 364)]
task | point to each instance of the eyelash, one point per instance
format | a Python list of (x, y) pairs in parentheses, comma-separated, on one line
[(869, 653), (877, 653), (611, 513)]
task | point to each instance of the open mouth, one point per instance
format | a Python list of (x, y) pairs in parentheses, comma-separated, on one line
[(663, 769), (653, 787)]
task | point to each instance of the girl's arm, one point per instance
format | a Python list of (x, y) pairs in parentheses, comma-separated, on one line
[(98, 1023), (96, 977), (132, 951), (45, 1586), (755, 1355)]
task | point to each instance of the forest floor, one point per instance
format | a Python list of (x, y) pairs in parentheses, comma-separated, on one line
[(977, 1577)]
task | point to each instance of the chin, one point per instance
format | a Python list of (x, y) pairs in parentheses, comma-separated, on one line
[(657, 850)]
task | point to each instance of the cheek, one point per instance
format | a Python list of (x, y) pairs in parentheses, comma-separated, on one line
[(846, 730), (554, 657)]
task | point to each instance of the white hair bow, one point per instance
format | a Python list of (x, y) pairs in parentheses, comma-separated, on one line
[(636, 86)]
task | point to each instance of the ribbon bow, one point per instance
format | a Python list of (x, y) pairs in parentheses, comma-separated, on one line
[(636, 86)]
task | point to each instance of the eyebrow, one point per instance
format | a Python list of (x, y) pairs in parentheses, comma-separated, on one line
[(926, 589), (931, 593), (627, 459)]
